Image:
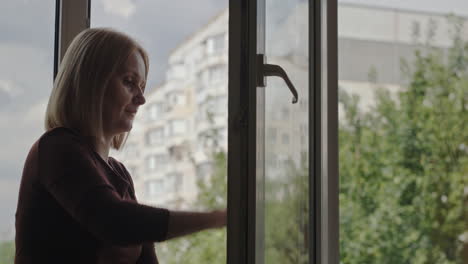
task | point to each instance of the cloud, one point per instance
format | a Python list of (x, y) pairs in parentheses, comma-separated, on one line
[(159, 26), (10, 88), (8, 201), (27, 22), (36, 112), (123, 8), (25, 74), (20, 129)]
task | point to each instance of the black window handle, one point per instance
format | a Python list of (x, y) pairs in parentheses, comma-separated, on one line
[(265, 70)]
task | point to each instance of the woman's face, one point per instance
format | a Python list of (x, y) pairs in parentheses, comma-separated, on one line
[(124, 95)]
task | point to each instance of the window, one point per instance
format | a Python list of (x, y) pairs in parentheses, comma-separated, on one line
[(221, 104), (285, 138), (173, 182), (177, 127), (217, 73), (154, 188), (131, 150), (176, 99), (203, 79), (177, 71), (154, 136), (272, 161), (272, 134), (151, 163), (26, 79), (132, 170), (181, 51), (156, 161), (215, 44), (203, 170), (154, 111), (285, 113), (399, 185)]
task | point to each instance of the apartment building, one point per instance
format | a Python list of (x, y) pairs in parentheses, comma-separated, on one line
[(183, 120)]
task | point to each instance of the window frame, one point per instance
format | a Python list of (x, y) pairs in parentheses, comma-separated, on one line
[(71, 17), (74, 16), (323, 120)]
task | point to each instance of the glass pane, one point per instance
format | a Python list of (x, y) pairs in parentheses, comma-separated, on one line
[(286, 138), (403, 93), (177, 149), (26, 72)]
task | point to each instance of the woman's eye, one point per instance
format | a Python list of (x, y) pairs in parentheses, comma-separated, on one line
[(128, 82)]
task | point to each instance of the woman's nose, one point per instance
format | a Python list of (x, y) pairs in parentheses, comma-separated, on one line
[(139, 99)]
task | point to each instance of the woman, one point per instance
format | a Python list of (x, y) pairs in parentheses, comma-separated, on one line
[(76, 204)]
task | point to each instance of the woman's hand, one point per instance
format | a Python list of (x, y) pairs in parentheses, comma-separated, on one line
[(183, 223)]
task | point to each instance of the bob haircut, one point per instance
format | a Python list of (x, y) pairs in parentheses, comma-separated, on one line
[(77, 97)]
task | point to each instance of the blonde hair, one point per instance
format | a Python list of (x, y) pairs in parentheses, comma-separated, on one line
[(77, 97)]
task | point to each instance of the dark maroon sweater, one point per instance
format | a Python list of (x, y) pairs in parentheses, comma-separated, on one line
[(73, 207)]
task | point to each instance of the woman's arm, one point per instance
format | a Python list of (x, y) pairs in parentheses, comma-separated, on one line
[(185, 223)]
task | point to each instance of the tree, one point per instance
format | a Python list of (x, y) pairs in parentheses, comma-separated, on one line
[(404, 165), (207, 246), (7, 252), (403, 175), (286, 214)]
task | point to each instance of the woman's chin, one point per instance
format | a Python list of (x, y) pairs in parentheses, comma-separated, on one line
[(126, 127)]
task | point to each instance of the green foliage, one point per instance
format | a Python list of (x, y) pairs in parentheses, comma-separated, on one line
[(403, 176), (404, 165), (7, 252), (286, 215), (207, 246)]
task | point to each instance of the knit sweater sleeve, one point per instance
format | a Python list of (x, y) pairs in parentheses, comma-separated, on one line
[(70, 174)]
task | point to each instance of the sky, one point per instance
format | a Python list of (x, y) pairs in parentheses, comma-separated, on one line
[(26, 62)]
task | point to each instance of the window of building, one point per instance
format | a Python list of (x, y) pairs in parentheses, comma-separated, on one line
[(177, 127), (203, 78), (154, 187), (223, 133), (173, 182), (217, 73), (285, 138), (177, 71), (151, 163), (221, 104), (131, 150), (284, 113), (204, 170), (154, 111), (154, 136), (215, 44), (156, 161), (271, 161), (271, 136), (176, 98)]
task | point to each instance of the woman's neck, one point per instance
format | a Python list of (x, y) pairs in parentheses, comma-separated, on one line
[(103, 147)]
